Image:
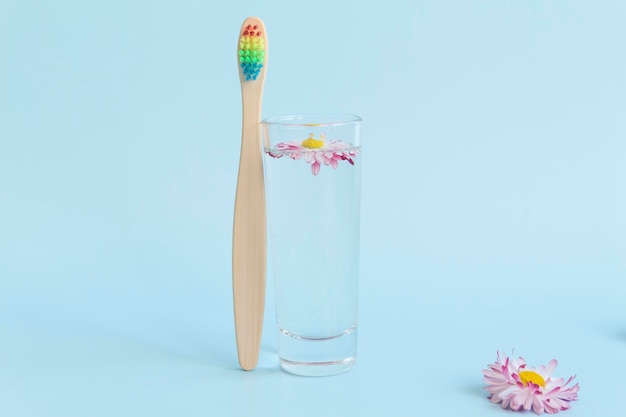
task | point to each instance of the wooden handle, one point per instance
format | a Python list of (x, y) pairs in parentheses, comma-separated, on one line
[(249, 226), (249, 253)]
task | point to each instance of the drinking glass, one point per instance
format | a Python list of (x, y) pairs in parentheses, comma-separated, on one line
[(312, 171)]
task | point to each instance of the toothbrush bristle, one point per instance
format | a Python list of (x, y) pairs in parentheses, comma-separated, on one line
[(251, 52)]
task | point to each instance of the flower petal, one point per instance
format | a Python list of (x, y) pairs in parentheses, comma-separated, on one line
[(315, 167), (537, 405)]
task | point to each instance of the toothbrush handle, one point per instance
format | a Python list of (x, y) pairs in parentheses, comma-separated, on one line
[(249, 242)]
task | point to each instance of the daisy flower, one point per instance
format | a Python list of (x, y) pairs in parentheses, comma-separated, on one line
[(515, 385), (316, 152)]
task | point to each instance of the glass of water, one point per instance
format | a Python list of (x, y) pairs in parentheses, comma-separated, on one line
[(313, 185)]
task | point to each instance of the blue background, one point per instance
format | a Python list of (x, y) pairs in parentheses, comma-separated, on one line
[(493, 211)]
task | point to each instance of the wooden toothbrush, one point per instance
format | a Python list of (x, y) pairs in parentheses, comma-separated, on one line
[(249, 226)]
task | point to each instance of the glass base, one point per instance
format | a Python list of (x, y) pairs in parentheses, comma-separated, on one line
[(317, 356), (317, 368)]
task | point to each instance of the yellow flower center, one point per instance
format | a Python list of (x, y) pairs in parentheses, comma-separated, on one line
[(532, 376), (312, 143)]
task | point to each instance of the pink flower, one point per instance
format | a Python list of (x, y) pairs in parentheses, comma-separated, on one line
[(316, 152), (517, 386)]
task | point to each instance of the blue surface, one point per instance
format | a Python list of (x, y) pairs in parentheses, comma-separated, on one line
[(493, 213)]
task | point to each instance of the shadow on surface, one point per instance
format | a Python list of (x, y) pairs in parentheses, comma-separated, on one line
[(148, 332), (222, 355), (612, 330), (189, 346), (620, 335), (215, 356), (474, 390)]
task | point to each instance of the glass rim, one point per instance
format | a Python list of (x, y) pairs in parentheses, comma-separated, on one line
[(312, 119)]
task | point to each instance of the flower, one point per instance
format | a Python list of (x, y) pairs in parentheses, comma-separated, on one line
[(518, 386), (316, 152)]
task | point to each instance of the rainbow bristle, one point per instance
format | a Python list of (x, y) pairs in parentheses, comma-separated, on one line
[(251, 52)]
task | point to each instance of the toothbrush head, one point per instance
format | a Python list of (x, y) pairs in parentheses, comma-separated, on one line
[(252, 48)]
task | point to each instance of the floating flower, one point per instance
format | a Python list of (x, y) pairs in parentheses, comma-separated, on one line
[(518, 386), (316, 152)]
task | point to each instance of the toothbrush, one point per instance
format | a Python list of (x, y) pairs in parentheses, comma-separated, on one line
[(249, 227)]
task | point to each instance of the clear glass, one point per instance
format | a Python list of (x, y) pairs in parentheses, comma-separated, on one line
[(313, 185)]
